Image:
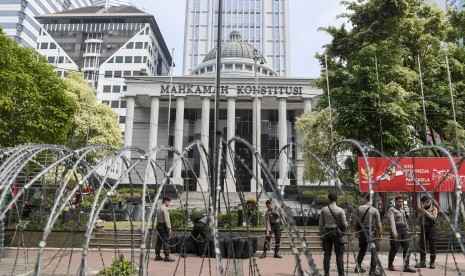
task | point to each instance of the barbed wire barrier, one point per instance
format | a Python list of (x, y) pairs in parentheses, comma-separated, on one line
[(53, 176)]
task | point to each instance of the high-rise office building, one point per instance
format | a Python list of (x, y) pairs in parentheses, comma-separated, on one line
[(107, 45), (17, 17), (264, 24)]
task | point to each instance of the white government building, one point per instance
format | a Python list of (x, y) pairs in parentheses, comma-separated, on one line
[(280, 101)]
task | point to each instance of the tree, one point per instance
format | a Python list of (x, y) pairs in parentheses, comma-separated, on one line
[(104, 128), (34, 104), (318, 141), (373, 70)]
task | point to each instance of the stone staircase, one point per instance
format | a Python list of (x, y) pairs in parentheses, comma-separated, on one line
[(198, 201), (312, 240), (122, 239)]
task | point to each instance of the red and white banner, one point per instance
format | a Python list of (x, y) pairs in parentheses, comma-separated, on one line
[(435, 174)]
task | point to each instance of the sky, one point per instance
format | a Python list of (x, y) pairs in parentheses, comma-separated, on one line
[(306, 16)]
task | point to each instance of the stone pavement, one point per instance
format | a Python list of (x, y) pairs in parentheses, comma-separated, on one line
[(60, 263)]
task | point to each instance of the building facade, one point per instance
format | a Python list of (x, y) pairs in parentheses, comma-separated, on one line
[(264, 24), (255, 104), (17, 17), (108, 45)]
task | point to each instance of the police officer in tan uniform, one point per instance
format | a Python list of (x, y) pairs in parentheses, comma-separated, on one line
[(164, 231), (399, 234), (332, 224), (364, 212), (428, 214), (273, 217)]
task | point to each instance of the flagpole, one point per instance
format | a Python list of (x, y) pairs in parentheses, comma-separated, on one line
[(423, 101), (453, 105)]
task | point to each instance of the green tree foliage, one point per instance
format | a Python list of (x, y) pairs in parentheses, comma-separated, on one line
[(34, 104), (104, 127), (318, 141), (373, 69)]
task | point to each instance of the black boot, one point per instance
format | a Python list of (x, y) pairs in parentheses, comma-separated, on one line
[(168, 259), (391, 261), (276, 251), (432, 260), (421, 264), (359, 268)]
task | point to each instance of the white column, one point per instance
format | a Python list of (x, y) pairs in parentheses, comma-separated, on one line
[(153, 128), (282, 126), (178, 138), (204, 137), (307, 105), (257, 131), (129, 125), (231, 133)]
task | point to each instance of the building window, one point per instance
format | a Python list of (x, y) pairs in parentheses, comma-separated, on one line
[(110, 60), (51, 59), (125, 88), (116, 88), (138, 59), (106, 102), (106, 88), (108, 74), (114, 104), (53, 46), (127, 73), (123, 104), (145, 60), (146, 45), (130, 45), (139, 45), (118, 74), (228, 66), (119, 60), (122, 119), (43, 45), (248, 67)]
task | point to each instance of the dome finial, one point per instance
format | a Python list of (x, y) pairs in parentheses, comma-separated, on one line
[(235, 36)]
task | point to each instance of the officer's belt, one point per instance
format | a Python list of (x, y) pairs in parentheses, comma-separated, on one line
[(401, 225), (331, 228)]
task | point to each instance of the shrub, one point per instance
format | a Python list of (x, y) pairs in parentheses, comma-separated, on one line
[(256, 219), (76, 221), (177, 219), (136, 192), (228, 219), (196, 214), (119, 266)]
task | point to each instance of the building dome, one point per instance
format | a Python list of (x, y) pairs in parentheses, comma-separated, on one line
[(235, 48), (237, 58)]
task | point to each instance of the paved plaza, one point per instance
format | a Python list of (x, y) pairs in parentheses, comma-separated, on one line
[(60, 263)]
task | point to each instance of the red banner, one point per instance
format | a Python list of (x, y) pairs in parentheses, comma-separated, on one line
[(435, 174)]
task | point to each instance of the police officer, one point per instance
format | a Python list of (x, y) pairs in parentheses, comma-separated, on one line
[(273, 226), (202, 227), (332, 224), (364, 212), (428, 214), (164, 231), (399, 234)]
